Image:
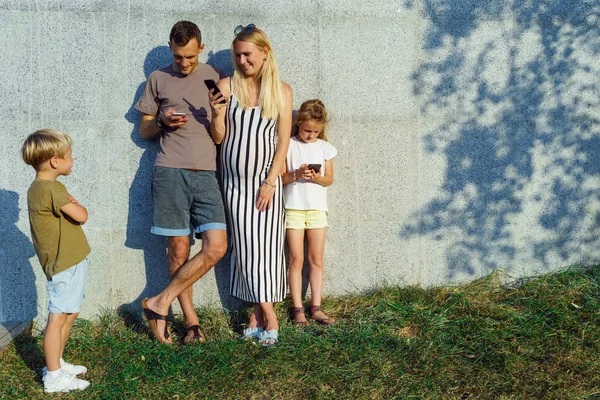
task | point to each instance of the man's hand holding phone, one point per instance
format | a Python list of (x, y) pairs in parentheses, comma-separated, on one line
[(173, 119)]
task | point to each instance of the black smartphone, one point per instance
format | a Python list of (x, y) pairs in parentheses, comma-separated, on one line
[(211, 84), (315, 167)]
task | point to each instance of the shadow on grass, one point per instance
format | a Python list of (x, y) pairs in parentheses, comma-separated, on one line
[(237, 320), (134, 321), (31, 353)]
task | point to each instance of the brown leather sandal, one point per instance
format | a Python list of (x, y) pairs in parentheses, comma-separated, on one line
[(197, 336), (296, 311), (152, 317), (322, 321)]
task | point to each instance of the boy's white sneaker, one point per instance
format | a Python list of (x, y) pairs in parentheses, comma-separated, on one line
[(68, 368), (72, 369), (65, 382)]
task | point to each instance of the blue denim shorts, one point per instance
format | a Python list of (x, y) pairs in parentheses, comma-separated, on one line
[(66, 290), (182, 197)]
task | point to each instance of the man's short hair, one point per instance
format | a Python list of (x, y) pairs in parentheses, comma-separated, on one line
[(44, 144), (183, 31)]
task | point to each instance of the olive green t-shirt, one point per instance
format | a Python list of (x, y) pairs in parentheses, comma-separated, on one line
[(58, 240)]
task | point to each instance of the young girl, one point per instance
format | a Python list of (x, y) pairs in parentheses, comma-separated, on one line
[(309, 167)]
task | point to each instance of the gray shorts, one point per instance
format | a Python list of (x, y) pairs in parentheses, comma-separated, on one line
[(182, 197)]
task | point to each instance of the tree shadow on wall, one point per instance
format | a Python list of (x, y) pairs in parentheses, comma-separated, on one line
[(519, 133), (18, 295)]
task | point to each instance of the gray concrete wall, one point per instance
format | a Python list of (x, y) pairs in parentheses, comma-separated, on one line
[(467, 134)]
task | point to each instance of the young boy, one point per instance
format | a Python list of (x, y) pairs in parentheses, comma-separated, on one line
[(62, 248)]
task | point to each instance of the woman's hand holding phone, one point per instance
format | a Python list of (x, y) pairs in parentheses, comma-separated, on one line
[(215, 97)]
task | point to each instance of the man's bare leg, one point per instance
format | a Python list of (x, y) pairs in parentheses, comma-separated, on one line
[(214, 245), (179, 252)]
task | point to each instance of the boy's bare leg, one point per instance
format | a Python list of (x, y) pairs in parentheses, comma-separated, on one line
[(214, 245), (179, 252), (53, 343), (66, 330)]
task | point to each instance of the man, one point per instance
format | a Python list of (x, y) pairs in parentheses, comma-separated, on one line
[(185, 191)]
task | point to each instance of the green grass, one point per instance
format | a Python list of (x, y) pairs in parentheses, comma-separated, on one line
[(538, 339)]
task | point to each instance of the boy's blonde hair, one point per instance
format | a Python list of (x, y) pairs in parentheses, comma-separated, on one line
[(271, 97), (313, 110), (44, 144)]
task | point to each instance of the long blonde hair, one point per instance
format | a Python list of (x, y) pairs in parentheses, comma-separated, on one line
[(271, 97)]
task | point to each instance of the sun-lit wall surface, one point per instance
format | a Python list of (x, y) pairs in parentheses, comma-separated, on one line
[(467, 134)]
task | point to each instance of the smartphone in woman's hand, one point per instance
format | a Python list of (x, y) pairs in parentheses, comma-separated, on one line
[(211, 84)]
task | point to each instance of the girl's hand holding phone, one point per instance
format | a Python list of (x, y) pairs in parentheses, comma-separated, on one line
[(306, 173)]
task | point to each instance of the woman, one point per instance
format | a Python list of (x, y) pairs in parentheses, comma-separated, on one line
[(254, 128)]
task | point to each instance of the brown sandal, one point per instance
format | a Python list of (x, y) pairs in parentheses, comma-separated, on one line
[(197, 337), (322, 321), (152, 317), (296, 311)]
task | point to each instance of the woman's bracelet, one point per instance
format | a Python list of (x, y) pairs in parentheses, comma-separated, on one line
[(269, 183), (295, 175)]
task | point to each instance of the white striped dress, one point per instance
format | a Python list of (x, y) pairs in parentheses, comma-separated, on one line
[(258, 272)]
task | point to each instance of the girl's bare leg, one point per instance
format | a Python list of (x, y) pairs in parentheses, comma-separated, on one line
[(295, 239), (316, 248)]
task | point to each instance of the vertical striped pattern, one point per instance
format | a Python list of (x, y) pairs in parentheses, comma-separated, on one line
[(258, 272)]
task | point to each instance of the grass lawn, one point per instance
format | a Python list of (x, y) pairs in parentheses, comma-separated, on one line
[(538, 339)]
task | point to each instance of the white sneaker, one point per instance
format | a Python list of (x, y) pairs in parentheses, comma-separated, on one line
[(64, 383), (72, 369), (68, 368)]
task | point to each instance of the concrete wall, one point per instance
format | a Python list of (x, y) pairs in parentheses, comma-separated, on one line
[(467, 134)]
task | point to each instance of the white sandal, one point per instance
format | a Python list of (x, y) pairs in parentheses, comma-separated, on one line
[(269, 338), (252, 333)]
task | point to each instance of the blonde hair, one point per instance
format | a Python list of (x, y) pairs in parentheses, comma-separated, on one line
[(313, 110), (271, 97), (44, 144)]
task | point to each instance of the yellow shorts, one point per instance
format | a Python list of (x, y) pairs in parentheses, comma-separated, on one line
[(305, 219)]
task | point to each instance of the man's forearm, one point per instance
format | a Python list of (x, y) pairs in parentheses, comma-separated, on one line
[(148, 129)]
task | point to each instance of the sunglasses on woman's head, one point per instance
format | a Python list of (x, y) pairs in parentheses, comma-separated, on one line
[(244, 29)]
